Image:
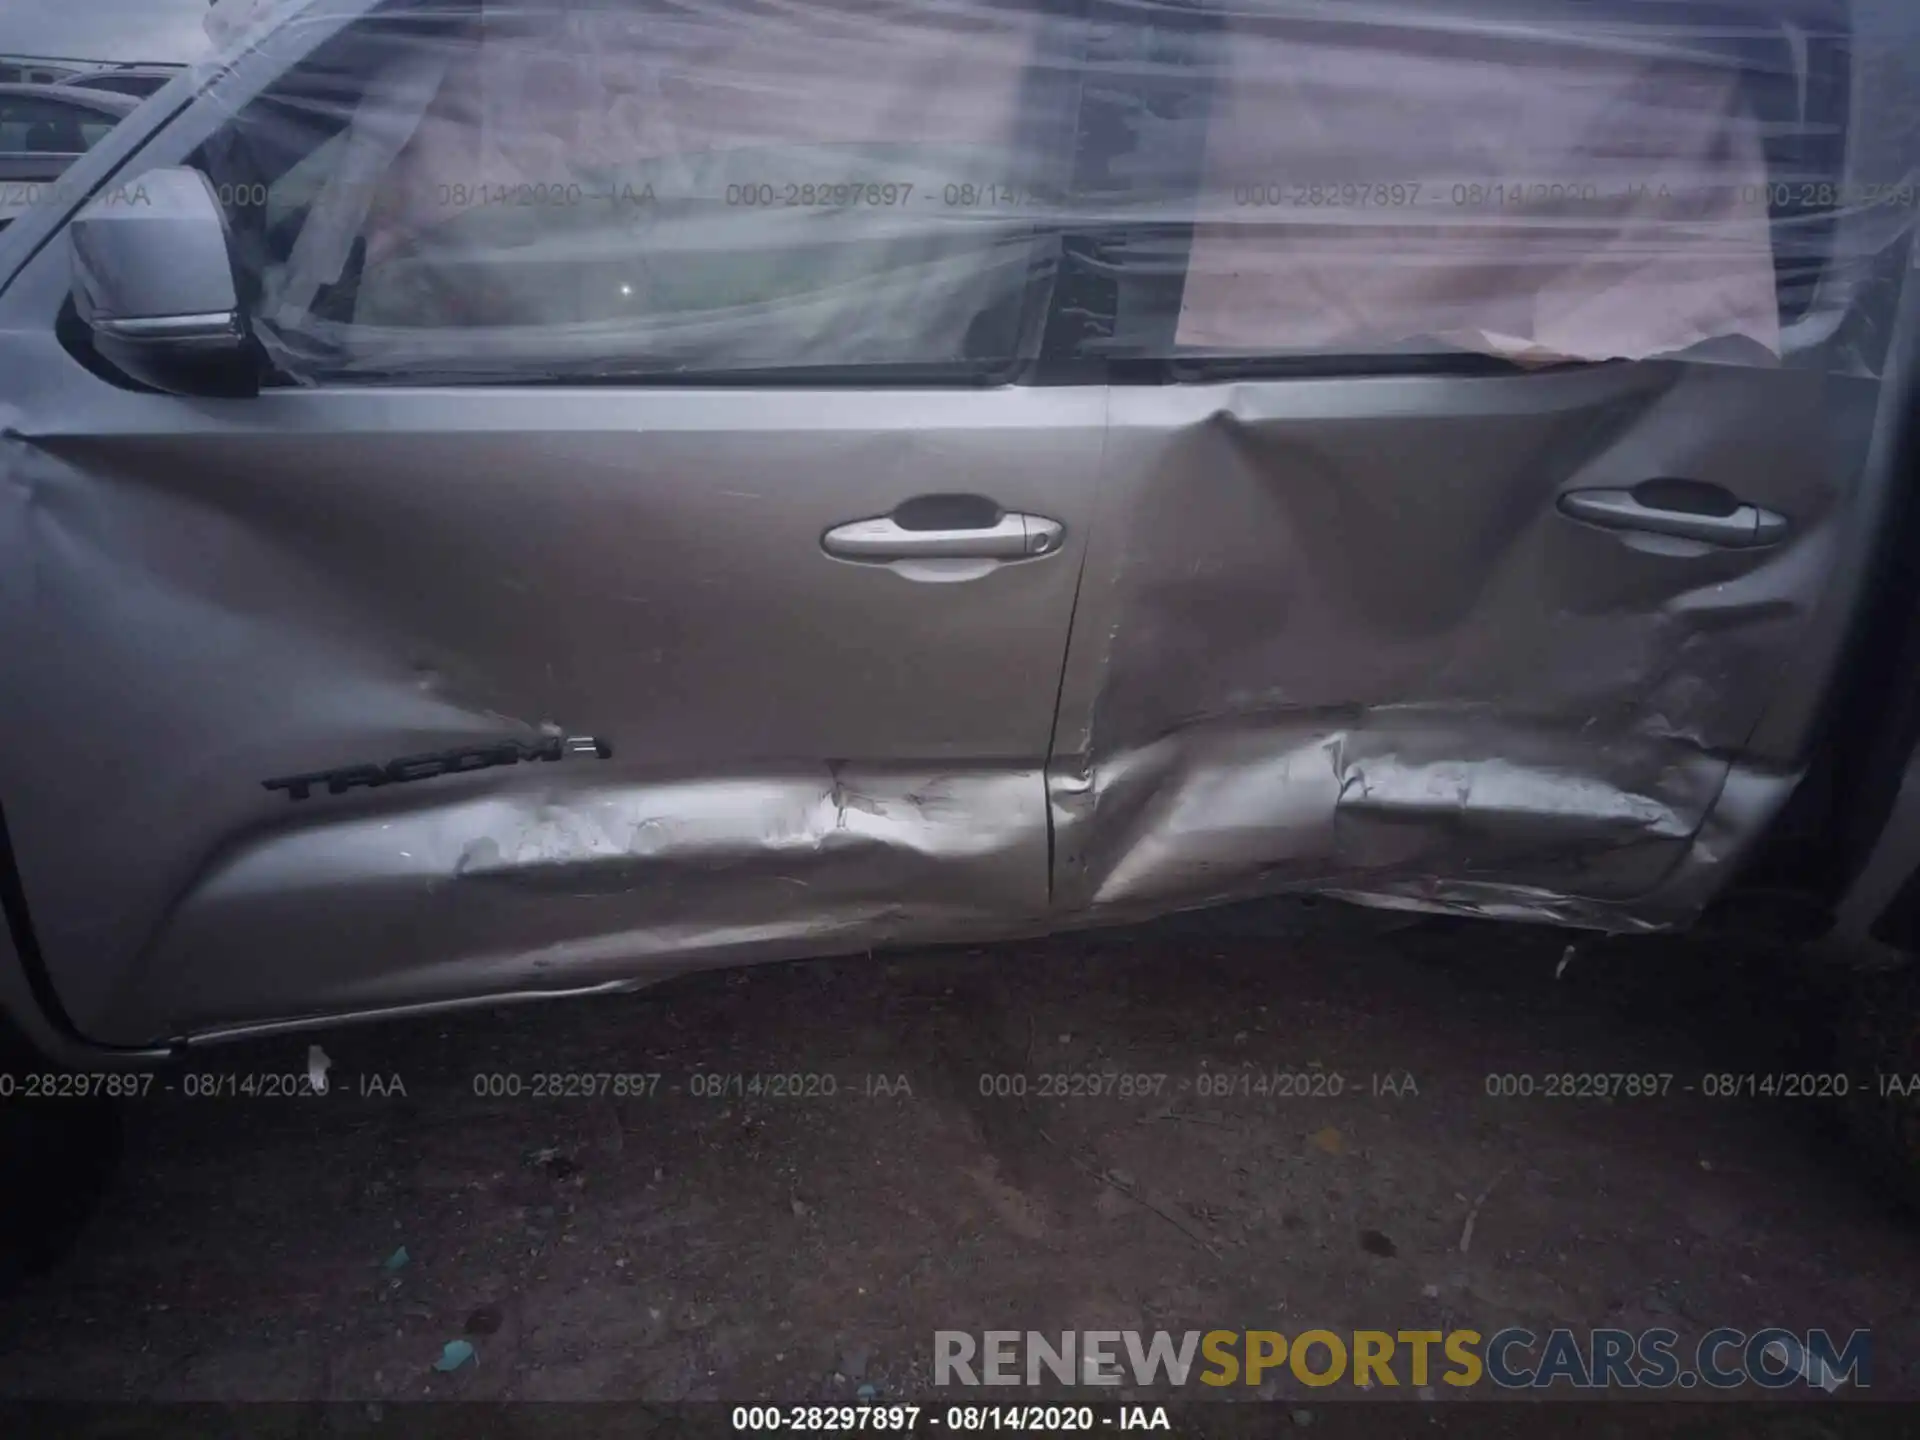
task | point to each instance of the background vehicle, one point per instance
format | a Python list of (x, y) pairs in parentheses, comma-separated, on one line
[(37, 69), (937, 501), (43, 130), (136, 80)]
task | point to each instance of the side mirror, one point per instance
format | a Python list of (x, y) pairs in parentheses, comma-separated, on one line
[(153, 283)]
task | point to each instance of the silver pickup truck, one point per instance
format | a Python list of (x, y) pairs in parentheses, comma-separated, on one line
[(513, 501)]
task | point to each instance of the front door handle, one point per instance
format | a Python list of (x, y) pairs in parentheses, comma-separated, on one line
[(1685, 509), (1004, 536)]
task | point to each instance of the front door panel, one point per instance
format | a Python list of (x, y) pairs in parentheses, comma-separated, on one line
[(807, 753), (555, 440)]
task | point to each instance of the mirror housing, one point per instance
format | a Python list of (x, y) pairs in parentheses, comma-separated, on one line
[(153, 283)]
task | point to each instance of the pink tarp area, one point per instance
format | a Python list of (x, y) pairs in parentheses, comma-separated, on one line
[(1392, 157)]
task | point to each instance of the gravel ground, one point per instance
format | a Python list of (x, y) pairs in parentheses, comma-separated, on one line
[(801, 1238)]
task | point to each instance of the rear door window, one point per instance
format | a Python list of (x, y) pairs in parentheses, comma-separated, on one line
[(1518, 181)]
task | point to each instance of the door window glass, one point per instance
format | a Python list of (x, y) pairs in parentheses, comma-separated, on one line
[(563, 188), (1533, 180)]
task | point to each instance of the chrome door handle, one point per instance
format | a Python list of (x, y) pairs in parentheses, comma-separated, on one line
[(884, 539), (1695, 512)]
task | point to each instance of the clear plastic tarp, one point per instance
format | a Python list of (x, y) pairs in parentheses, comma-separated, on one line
[(585, 187)]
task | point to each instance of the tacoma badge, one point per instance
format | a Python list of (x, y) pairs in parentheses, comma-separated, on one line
[(441, 762)]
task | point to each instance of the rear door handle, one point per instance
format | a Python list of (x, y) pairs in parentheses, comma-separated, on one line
[(1685, 509), (1006, 536)]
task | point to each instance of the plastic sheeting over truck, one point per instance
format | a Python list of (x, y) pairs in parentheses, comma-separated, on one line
[(578, 187)]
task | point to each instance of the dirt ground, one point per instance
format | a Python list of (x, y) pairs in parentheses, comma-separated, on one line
[(686, 1245)]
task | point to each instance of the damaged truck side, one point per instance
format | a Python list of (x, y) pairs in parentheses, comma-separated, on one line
[(937, 473)]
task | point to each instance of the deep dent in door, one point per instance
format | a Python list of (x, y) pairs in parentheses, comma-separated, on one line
[(1336, 637)]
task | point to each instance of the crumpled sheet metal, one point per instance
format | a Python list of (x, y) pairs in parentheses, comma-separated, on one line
[(582, 187), (1489, 820), (582, 882), (1502, 712)]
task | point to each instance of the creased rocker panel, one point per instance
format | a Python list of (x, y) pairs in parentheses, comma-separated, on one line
[(1407, 657)]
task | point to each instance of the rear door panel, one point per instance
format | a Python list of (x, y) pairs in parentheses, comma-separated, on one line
[(1336, 634), (1336, 631)]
